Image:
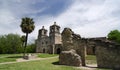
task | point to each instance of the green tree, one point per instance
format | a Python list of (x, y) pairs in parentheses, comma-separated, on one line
[(31, 48), (114, 36), (10, 43), (27, 26)]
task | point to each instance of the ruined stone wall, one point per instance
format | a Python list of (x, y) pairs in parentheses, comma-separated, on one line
[(73, 41), (67, 39), (108, 55), (91, 47)]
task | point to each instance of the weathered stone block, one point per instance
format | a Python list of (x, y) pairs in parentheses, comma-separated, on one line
[(70, 58)]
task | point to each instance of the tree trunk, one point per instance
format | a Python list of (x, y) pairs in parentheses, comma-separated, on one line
[(25, 44)]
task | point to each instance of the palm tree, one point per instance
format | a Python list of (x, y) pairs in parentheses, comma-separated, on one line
[(23, 40), (27, 26)]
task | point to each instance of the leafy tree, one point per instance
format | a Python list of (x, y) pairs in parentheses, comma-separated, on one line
[(114, 36), (10, 43), (31, 48), (27, 26)]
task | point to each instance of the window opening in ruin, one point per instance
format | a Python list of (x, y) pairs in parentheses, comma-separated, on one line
[(43, 50), (46, 42), (58, 51), (42, 42), (93, 49), (44, 32)]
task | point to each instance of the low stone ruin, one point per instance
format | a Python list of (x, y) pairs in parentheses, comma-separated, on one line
[(70, 58), (29, 56), (108, 55)]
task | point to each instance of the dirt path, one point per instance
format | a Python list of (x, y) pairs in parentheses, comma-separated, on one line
[(24, 60), (88, 67)]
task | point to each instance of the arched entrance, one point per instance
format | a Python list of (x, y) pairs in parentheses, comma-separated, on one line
[(58, 50), (44, 50)]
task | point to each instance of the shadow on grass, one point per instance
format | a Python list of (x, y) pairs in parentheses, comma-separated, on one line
[(56, 63), (14, 57), (90, 66)]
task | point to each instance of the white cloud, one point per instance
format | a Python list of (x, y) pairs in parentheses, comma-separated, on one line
[(91, 19), (11, 13), (6, 17)]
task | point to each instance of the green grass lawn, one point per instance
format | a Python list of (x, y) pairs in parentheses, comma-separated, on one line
[(46, 55), (91, 59), (13, 57), (46, 64), (49, 64), (9, 57)]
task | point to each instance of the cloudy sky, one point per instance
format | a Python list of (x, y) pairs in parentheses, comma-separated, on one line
[(89, 18)]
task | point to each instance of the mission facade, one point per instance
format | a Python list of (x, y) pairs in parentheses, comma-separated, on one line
[(49, 43)]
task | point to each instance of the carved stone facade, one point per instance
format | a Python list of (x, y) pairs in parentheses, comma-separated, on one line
[(51, 43)]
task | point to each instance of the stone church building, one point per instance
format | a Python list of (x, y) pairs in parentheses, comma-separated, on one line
[(51, 43), (54, 42)]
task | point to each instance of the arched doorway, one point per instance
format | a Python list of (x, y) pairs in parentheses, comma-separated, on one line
[(44, 50), (58, 50)]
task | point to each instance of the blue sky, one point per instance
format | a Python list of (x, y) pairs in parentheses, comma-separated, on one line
[(89, 18)]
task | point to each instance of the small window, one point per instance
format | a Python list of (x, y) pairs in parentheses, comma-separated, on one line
[(46, 42), (42, 42), (58, 29), (44, 32)]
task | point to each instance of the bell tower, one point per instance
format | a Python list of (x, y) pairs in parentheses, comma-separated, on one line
[(42, 33), (54, 34)]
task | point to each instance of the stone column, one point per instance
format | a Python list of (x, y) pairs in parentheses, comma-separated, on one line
[(83, 52), (82, 49), (53, 49)]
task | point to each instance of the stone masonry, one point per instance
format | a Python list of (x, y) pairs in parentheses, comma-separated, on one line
[(107, 54), (70, 58), (73, 41)]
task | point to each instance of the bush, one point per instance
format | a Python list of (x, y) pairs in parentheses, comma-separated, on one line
[(114, 35)]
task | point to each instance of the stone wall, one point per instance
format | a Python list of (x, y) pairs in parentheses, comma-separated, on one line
[(91, 47), (73, 41), (107, 54)]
